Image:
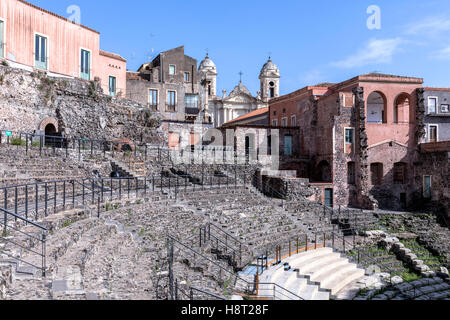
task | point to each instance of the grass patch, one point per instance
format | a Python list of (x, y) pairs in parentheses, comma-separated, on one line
[(408, 276), (18, 142), (67, 223)]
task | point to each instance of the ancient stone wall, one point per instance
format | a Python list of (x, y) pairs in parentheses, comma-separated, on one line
[(291, 188), (30, 100), (436, 165)]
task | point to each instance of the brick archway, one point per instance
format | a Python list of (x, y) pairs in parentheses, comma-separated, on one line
[(50, 120)]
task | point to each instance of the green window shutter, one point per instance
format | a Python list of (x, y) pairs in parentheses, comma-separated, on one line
[(2, 40), (85, 71), (112, 86), (40, 52)]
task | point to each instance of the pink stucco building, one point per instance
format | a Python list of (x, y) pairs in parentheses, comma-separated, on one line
[(38, 40)]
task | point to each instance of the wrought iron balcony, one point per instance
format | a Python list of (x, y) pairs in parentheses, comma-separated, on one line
[(171, 108), (153, 107), (191, 110)]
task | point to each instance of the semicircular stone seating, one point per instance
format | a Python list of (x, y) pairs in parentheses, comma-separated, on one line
[(313, 275)]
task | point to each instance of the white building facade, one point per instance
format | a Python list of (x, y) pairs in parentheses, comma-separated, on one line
[(240, 101)]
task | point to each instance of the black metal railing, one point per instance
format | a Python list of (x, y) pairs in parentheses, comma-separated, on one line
[(32, 242), (224, 245), (36, 200), (194, 293), (57, 145), (191, 110), (171, 108), (230, 280)]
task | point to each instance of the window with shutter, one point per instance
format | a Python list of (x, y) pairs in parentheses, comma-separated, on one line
[(85, 71), (2, 40), (112, 86), (40, 52)]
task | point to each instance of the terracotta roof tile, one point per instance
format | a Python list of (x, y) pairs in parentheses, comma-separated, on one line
[(249, 115)]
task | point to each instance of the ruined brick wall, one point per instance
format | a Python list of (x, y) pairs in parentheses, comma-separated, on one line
[(293, 189), (364, 198), (420, 115), (388, 193), (436, 165), (78, 108)]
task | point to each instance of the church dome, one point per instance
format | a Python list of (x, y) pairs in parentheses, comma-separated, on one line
[(270, 69), (207, 64)]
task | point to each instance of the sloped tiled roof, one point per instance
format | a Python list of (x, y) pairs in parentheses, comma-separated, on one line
[(249, 115), (112, 55)]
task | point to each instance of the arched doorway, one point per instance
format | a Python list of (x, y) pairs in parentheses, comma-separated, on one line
[(376, 108), (50, 135)]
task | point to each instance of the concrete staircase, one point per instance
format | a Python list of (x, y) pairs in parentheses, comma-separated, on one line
[(314, 275)]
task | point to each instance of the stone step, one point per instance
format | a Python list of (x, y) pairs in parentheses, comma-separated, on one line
[(341, 277)]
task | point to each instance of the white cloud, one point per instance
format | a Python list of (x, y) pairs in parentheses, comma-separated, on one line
[(375, 52), (432, 26), (313, 77), (443, 54)]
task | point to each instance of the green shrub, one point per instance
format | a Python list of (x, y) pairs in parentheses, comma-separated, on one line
[(18, 142)]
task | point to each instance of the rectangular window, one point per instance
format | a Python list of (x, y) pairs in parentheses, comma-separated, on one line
[(427, 187), (191, 101), (399, 173), (284, 122), (445, 108), (172, 69), (153, 99), (112, 86), (433, 133), (2, 40), (376, 170), (293, 121), (187, 77), (171, 101), (351, 173), (275, 123), (432, 104), (349, 135), (288, 145), (85, 71), (40, 52)]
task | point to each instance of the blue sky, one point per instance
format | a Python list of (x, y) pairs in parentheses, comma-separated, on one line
[(310, 41)]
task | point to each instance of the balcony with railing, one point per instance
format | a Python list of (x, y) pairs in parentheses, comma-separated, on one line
[(191, 110), (153, 107), (171, 108)]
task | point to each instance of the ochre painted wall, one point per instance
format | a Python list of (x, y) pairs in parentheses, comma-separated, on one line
[(65, 41)]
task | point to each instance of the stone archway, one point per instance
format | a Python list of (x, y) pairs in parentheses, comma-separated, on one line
[(47, 121)]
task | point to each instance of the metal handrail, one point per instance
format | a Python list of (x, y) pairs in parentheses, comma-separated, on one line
[(42, 240), (390, 271), (229, 272)]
